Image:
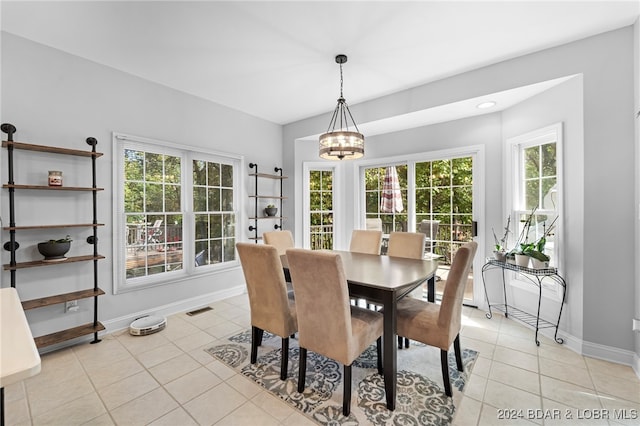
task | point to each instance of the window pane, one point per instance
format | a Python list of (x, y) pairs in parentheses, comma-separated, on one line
[(133, 197), (532, 192), (201, 226), (214, 199), (441, 199), (213, 171), (216, 251), (548, 159), (441, 173), (172, 198), (199, 199), (133, 165), (229, 249), (172, 169), (216, 226), (423, 175), (199, 172), (532, 162), (154, 168), (462, 199), (227, 200), (314, 180), (154, 197), (327, 181), (327, 201), (314, 200), (462, 171), (227, 176), (549, 194)]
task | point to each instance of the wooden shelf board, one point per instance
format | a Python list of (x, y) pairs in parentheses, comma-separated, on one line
[(52, 149), (60, 298), (74, 225), (268, 176), (267, 217), (68, 334), (37, 263), (51, 188)]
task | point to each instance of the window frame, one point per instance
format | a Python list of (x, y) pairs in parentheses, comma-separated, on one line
[(308, 167), (515, 203), (122, 141)]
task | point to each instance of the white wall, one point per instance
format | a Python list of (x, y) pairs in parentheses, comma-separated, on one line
[(54, 98), (636, 63), (560, 104), (606, 63)]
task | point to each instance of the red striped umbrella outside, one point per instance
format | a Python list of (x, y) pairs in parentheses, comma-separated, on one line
[(391, 200)]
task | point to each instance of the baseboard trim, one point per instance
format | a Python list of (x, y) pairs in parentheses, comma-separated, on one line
[(123, 322)]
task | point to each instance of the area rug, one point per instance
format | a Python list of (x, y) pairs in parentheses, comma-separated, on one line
[(420, 397)]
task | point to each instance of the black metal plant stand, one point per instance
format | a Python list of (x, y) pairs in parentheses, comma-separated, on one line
[(534, 276)]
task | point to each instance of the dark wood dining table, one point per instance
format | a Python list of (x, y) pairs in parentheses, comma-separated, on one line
[(383, 280)]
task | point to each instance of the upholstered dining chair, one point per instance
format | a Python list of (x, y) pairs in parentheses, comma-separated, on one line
[(271, 308), (410, 245), (365, 241), (439, 325), (327, 323), (281, 240)]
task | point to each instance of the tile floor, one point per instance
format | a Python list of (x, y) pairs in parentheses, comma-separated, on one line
[(168, 379)]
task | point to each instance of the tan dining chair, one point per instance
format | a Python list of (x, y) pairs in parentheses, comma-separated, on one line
[(410, 245), (281, 240), (365, 241), (439, 325), (328, 324), (271, 308)]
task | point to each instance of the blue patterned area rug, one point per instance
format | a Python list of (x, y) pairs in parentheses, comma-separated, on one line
[(420, 397)]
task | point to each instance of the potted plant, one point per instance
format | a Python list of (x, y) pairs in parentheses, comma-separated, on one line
[(54, 250), (271, 210), (500, 252)]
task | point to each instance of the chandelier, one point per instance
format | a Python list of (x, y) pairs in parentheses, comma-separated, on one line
[(341, 143)]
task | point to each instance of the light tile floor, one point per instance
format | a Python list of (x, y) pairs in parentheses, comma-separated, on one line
[(168, 379)]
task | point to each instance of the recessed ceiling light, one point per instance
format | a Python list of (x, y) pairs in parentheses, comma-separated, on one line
[(484, 105)]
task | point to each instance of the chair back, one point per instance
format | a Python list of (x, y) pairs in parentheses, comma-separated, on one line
[(430, 229), (451, 305), (406, 244), (373, 224), (281, 240), (322, 300), (366, 241), (271, 309)]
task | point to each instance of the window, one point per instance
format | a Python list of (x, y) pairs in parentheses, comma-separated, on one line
[(321, 209), (537, 187), (178, 209), (393, 214), (536, 191)]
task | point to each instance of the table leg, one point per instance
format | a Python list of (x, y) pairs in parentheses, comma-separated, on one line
[(389, 356), (431, 289)]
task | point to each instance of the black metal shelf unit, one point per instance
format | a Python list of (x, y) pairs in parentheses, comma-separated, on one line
[(256, 197), (534, 276), (12, 245)]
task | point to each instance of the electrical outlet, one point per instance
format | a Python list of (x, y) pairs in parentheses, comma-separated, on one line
[(636, 324), (71, 306)]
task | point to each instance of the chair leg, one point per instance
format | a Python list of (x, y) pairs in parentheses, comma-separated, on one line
[(406, 343), (302, 369), (456, 348), (399, 342), (256, 340), (346, 394), (444, 361), (379, 354), (284, 361)]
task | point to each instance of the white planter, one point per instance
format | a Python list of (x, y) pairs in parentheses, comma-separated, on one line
[(522, 260), (539, 264), (500, 256)]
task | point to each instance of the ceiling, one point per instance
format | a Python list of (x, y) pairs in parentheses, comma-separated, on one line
[(275, 60)]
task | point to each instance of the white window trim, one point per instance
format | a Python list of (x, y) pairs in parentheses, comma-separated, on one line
[(188, 153), (552, 133), (307, 167)]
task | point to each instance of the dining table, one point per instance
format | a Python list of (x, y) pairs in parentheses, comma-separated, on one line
[(383, 280)]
